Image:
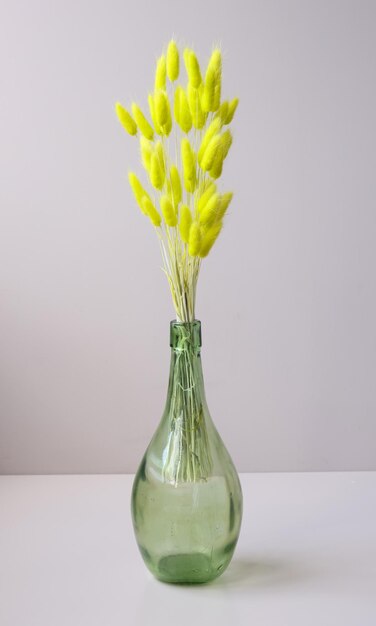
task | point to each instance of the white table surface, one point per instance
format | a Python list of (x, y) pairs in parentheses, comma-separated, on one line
[(306, 556)]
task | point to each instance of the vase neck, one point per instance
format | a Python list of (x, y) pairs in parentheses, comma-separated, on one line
[(186, 417), (186, 377), (185, 336)]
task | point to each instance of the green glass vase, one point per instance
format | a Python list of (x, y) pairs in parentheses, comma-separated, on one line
[(186, 498)]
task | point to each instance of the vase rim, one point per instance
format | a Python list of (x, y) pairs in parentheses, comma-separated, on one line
[(180, 323)]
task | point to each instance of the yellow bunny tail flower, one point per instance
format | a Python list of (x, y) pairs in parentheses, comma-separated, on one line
[(233, 105), (193, 68), (210, 153), (126, 119), (217, 96), (172, 61), (205, 196), (160, 73), (221, 150), (195, 237), (153, 115), (160, 106), (222, 112), (142, 122), (226, 142), (190, 184), (207, 98), (217, 167), (209, 239), (151, 211), (146, 152), (188, 158), (189, 165), (168, 126), (208, 214), (138, 190), (186, 55), (176, 190), (168, 212), (177, 97), (215, 61), (185, 113), (156, 172), (224, 202), (159, 151), (162, 111), (212, 130), (194, 100), (185, 223), (212, 89), (181, 110)]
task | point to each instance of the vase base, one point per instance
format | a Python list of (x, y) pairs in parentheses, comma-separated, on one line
[(187, 569)]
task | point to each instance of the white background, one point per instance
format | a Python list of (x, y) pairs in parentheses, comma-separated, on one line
[(287, 297)]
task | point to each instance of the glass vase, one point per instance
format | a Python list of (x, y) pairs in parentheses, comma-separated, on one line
[(186, 498)]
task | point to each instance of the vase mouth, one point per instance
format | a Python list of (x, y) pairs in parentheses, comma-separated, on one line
[(183, 333)]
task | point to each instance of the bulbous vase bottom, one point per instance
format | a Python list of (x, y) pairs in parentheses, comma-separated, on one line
[(189, 569)]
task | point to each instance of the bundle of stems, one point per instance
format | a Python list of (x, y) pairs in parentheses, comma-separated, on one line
[(183, 147)]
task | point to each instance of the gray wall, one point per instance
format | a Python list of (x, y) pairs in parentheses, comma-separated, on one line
[(287, 298)]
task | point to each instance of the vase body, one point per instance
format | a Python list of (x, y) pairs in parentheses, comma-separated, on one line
[(186, 498)]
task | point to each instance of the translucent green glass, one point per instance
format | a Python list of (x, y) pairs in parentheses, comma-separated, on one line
[(186, 499)]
